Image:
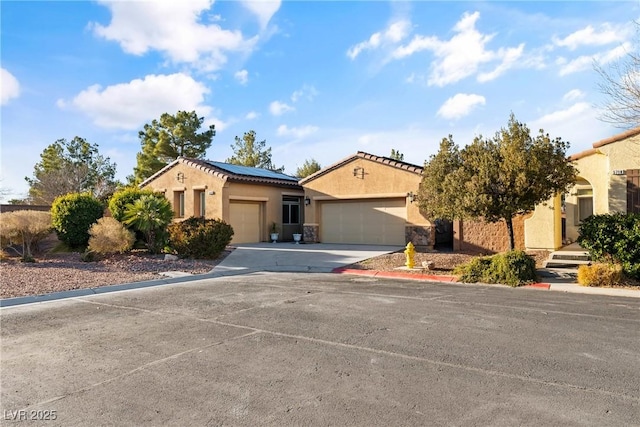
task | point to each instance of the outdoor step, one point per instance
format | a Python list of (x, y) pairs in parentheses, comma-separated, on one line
[(561, 263), (570, 255)]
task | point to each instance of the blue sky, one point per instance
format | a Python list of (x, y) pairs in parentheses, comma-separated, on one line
[(318, 80)]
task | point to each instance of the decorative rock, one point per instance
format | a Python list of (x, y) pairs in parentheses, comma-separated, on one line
[(169, 257), (429, 265)]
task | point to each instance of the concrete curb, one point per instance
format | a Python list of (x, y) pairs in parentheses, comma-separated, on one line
[(396, 275), (558, 287), (10, 302)]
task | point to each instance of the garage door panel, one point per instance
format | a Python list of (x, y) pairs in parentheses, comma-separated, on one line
[(245, 220), (364, 222)]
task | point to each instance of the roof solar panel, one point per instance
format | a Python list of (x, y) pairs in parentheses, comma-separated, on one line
[(251, 171)]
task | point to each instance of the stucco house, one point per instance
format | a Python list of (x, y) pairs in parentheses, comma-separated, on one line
[(608, 182), (249, 199), (365, 199)]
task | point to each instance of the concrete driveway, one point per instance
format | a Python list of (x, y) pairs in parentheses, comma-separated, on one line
[(291, 257), (320, 349)]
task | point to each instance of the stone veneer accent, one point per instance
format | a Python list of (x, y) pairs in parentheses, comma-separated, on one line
[(311, 233), (422, 237)]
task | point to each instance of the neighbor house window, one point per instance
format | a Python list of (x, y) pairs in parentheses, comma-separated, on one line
[(199, 205), (290, 210), (178, 204)]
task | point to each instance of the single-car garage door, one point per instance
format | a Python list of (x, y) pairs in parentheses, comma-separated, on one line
[(380, 221), (245, 220)]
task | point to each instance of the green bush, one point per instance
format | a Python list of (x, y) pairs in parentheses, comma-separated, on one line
[(613, 238), (600, 274), (474, 270), (513, 268), (109, 236), (72, 215), (150, 214), (200, 238), (121, 198)]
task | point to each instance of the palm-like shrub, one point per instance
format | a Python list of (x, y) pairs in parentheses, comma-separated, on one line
[(150, 214), (108, 236), (121, 198)]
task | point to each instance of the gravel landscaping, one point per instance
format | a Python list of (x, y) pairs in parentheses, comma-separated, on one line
[(65, 271)]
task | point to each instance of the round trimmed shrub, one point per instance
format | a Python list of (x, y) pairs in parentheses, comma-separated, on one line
[(200, 238), (72, 215)]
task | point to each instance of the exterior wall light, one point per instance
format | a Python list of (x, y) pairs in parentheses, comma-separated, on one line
[(411, 196), (307, 201)]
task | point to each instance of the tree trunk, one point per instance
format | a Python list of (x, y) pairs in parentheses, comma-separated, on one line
[(512, 241)]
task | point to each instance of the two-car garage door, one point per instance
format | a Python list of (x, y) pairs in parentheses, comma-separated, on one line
[(380, 221)]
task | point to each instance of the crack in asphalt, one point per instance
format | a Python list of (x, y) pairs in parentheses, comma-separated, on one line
[(254, 331)]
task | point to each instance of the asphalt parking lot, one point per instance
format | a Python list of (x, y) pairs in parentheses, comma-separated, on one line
[(322, 349)]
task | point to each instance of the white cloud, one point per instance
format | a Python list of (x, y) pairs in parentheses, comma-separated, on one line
[(463, 54), (572, 95), (586, 62), (130, 105), (173, 28), (263, 9), (278, 108), (561, 116), (296, 132), (307, 92), (589, 36), (509, 56), (394, 33), (242, 76), (9, 85), (252, 115), (460, 105), (577, 124)]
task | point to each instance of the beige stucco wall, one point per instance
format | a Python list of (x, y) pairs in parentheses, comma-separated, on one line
[(193, 180), (378, 181), (219, 193), (543, 229), (609, 190)]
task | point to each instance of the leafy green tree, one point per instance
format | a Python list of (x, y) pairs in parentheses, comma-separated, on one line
[(72, 215), (74, 166), (396, 155), (495, 178), (309, 167), (166, 139), (150, 214), (248, 152)]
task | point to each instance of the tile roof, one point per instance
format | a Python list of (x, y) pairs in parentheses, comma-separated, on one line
[(362, 155), (615, 138)]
